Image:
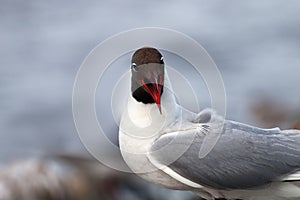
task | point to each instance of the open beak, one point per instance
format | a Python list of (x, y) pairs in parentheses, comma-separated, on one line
[(154, 89)]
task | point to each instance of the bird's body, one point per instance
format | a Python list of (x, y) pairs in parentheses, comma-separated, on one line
[(160, 141)]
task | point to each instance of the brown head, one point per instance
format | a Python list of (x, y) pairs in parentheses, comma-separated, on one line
[(147, 81)]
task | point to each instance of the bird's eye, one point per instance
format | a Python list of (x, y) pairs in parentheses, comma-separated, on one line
[(162, 60), (134, 67)]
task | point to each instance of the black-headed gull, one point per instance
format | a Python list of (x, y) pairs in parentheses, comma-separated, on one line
[(160, 141)]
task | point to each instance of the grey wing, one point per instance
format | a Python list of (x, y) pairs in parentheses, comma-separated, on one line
[(244, 157)]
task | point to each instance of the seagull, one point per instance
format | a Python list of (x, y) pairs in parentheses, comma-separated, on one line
[(161, 142)]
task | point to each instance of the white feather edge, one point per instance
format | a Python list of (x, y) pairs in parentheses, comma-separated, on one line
[(172, 173), (292, 177)]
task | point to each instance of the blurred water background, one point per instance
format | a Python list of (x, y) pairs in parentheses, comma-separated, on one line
[(255, 44)]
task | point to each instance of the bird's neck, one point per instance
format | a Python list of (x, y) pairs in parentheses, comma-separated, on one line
[(148, 116)]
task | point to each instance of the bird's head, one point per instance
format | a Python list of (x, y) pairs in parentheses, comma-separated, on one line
[(147, 81)]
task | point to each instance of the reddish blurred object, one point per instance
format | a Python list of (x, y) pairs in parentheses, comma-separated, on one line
[(296, 125), (269, 113)]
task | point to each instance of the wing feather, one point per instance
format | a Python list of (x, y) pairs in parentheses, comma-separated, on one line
[(244, 157)]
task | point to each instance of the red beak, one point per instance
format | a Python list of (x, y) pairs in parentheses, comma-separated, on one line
[(154, 89)]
